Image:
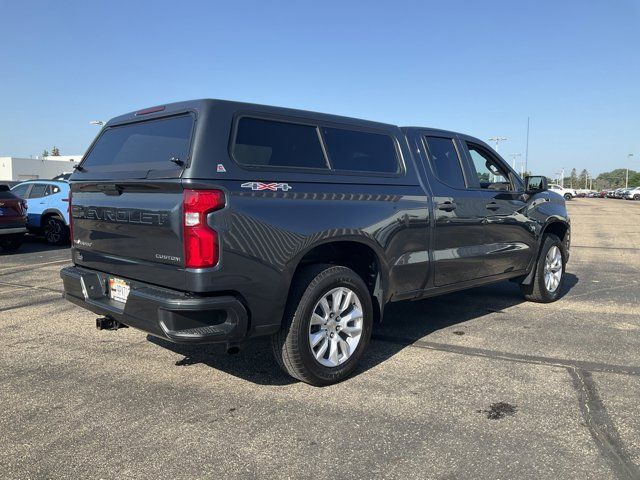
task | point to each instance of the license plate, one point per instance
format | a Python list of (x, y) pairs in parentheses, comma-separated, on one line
[(118, 290), (1, 212)]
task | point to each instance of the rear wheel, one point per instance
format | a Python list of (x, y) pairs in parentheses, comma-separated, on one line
[(326, 327), (55, 231), (636, 197), (549, 275)]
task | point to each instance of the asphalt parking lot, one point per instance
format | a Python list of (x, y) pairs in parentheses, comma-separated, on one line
[(477, 384)]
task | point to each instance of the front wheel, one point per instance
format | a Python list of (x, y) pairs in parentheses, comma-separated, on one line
[(567, 196), (326, 326), (549, 275)]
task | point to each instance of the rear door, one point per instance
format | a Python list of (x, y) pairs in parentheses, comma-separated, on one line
[(459, 235), (127, 198), (509, 233)]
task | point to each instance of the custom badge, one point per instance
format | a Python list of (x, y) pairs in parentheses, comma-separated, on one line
[(220, 168), (273, 186)]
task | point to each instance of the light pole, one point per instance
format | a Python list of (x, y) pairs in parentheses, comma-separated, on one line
[(513, 158), (497, 140), (626, 181)]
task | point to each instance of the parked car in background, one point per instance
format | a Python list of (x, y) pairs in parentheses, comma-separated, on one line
[(619, 192), (13, 219), (632, 193), (567, 193), (48, 208)]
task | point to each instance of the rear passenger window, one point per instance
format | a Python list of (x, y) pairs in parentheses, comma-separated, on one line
[(445, 161), (360, 151), (269, 143), (38, 190)]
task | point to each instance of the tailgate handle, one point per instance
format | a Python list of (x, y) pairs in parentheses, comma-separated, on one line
[(111, 189), (493, 206)]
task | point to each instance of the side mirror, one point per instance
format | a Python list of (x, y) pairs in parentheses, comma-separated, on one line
[(536, 184)]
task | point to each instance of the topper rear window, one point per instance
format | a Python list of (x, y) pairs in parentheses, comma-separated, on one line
[(158, 145)]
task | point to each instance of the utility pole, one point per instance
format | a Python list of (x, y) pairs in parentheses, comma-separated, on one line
[(626, 181), (497, 140)]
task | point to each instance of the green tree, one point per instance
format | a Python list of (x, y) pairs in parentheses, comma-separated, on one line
[(55, 152), (45, 153), (573, 179), (582, 179)]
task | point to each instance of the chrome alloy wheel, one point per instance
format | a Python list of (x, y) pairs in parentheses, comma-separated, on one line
[(53, 231), (553, 269), (336, 326)]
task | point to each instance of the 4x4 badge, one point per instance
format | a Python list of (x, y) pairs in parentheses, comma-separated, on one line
[(259, 186)]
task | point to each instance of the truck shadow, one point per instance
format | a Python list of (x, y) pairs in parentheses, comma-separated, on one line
[(404, 324)]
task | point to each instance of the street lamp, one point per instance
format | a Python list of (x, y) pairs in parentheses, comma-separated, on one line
[(97, 122), (626, 182), (497, 140)]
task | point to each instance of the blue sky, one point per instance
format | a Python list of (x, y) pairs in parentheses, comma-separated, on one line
[(476, 67)]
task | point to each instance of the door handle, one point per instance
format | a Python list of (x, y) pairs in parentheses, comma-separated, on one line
[(493, 206), (447, 206)]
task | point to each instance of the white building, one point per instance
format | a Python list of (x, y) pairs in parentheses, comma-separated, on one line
[(16, 168)]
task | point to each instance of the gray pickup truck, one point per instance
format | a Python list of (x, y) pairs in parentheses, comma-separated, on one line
[(215, 222)]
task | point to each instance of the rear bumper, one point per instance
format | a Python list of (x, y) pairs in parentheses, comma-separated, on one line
[(170, 314)]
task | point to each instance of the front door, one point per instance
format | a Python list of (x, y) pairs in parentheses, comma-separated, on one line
[(459, 234), (509, 233)]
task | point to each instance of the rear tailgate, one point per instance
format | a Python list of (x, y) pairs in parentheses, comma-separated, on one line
[(127, 200)]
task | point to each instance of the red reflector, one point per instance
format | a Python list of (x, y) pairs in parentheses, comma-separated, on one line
[(146, 111), (201, 247)]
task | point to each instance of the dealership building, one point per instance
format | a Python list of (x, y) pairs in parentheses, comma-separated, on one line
[(19, 169)]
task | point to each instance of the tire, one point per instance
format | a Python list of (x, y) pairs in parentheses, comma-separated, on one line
[(568, 196), (56, 231), (636, 197), (538, 290), (11, 244), (292, 345)]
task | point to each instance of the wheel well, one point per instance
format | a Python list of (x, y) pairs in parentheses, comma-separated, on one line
[(359, 257), (48, 215), (559, 229)]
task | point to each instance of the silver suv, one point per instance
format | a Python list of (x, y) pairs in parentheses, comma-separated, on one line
[(632, 193)]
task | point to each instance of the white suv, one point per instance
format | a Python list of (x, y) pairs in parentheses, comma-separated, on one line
[(567, 193), (632, 193)]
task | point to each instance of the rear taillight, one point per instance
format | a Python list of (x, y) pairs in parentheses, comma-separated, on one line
[(201, 247)]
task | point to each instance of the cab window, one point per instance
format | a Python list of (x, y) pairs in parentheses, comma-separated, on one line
[(490, 172), (445, 162)]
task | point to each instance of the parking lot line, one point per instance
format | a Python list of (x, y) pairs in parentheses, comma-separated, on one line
[(35, 266)]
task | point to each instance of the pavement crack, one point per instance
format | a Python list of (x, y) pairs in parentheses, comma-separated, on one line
[(510, 357), (601, 427)]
